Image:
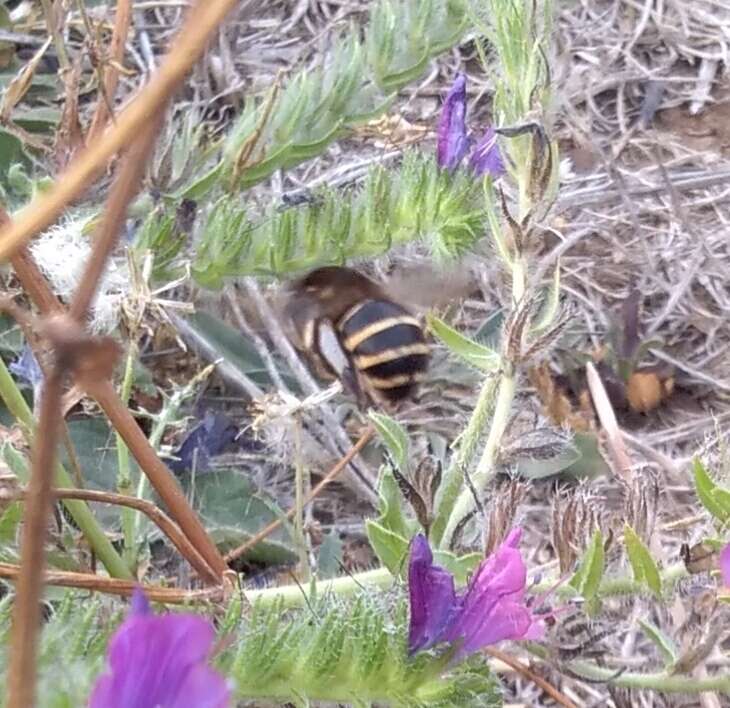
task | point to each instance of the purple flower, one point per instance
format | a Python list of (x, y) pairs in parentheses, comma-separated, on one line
[(452, 140), (26, 367), (486, 157), (454, 143), (725, 565), (159, 661), (433, 598), (491, 609)]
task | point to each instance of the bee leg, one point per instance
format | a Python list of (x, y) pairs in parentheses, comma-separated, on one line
[(351, 383)]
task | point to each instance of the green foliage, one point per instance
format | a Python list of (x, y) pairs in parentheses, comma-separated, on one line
[(472, 352), (354, 82), (351, 652), (233, 510), (391, 208), (390, 534), (71, 652), (666, 646), (587, 578), (159, 234), (714, 498), (643, 565), (394, 436)]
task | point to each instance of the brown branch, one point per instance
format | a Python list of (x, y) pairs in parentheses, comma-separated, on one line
[(123, 588), (163, 521), (27, 609), (520, 668), (125, 187), (160, 478), (202, 21), (122, 19), (124, 423), (261, 535)]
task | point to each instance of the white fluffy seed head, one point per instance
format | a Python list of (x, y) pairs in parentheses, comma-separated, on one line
[(62, 253)]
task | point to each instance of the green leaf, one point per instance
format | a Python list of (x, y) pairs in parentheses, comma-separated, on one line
[(230, 344), (643, 565), (233, 510), (329, 557), (391, 505), (390, 548), (94, 445), (714, 498), (395, 438), (9, 520), (389, 534), (587, 578), (590, 463), (472, 352), (533, 468), (666, 646), (461, 567), (549, 308)]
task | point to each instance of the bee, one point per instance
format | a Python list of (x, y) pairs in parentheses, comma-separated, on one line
[(352, 330)]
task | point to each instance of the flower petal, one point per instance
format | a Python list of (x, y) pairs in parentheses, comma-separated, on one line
[(160, 661), (452, 139), (432, 597), (725, 565), (486, 157)]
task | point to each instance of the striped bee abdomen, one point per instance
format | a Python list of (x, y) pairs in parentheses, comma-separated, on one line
[(387, 346)]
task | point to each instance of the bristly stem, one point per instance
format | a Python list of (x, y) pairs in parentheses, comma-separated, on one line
[(507, 387), (468, 443), (663, 681)]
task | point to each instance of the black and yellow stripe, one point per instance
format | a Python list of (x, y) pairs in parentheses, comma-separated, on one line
[(387, 346)]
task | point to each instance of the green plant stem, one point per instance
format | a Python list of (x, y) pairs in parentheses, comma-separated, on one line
[(124, 475), (79, 510), (292, 596), (170, 411), (453, 480), (507, 388), (659, 681), (299, 472), (486, 468)]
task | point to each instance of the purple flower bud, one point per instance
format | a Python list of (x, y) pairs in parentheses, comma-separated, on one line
[(486, 157), (452, 139), (160, 660), (725, 565), (492, 609)]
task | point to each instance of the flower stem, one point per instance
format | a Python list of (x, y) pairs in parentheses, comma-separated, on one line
[(660, 681), (292, 596), (467, 447), (507, 388), (486, 467)]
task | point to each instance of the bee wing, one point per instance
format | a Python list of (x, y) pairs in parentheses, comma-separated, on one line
[(424, 287), (329, 347)]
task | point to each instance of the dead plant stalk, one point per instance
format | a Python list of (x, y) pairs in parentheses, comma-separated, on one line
[(202, 21)]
